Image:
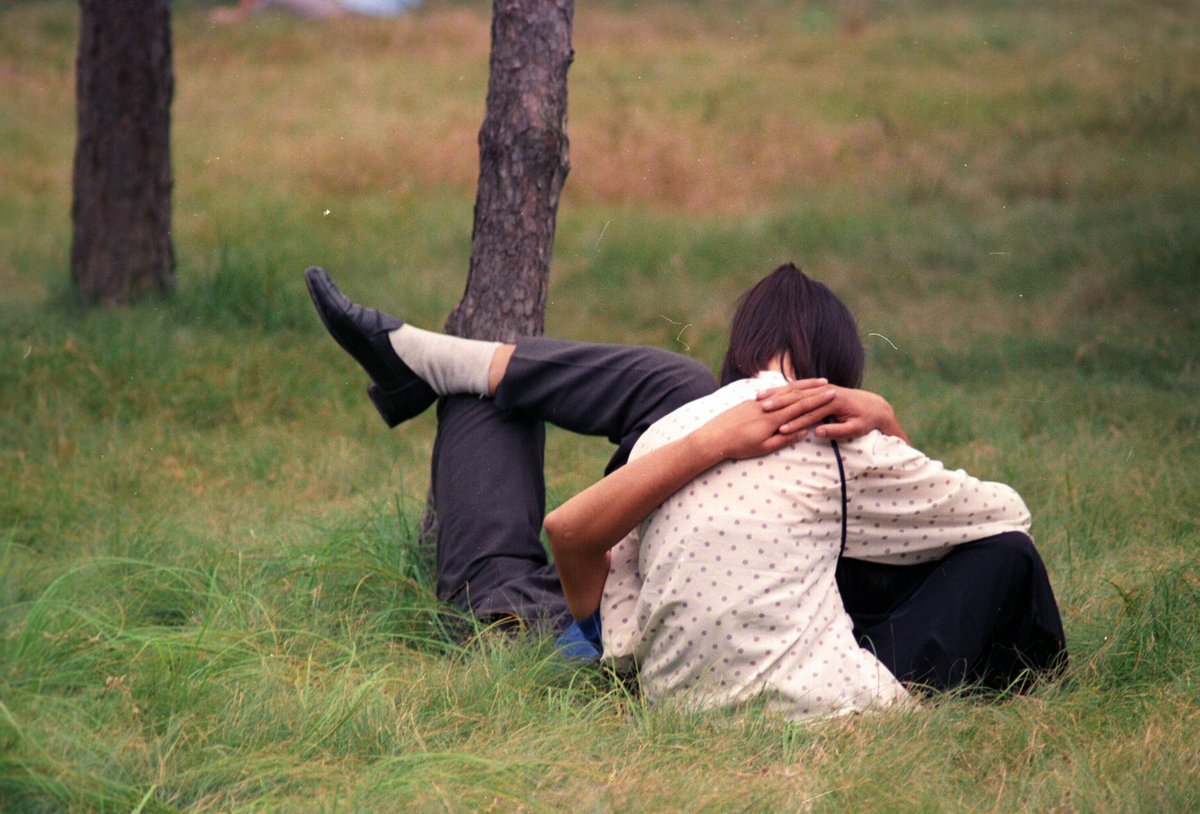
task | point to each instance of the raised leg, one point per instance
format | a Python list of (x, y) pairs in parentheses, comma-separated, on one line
[(487, 483), (488, 487), (616, 391), (489, 499)]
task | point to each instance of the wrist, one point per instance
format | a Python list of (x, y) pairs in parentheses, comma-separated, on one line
[(705, 447), (890, 425)]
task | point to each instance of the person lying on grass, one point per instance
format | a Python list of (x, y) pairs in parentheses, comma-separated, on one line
[(775, 538)]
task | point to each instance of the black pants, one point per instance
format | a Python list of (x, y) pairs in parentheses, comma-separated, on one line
[(982, 617), (977, 615)]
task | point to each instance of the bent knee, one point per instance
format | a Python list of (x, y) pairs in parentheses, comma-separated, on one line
[(1014, 543), (1010, 552)]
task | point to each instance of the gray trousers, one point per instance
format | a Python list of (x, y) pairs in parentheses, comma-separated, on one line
[(487, 483)]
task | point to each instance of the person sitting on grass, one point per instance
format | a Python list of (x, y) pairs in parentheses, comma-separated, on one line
[(729, 552)]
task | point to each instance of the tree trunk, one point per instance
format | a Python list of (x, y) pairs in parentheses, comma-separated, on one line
[(523, 163), (121, 212)]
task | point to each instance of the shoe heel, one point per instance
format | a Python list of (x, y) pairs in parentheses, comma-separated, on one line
[(385, 406), (401, 403)]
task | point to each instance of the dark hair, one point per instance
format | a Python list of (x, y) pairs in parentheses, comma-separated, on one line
[(788, 313)]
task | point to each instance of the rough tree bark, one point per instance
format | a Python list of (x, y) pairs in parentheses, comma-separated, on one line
[(523, 163), (121, 211)]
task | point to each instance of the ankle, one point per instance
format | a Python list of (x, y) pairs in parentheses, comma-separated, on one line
[(499, 367), (448, 364)]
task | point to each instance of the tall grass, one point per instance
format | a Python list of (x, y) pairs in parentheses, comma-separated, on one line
[(214, 595)]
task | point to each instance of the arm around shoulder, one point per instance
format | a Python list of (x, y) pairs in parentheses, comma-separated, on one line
[(583, 529)]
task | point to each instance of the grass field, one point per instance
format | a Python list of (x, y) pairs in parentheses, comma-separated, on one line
[(212, 595)]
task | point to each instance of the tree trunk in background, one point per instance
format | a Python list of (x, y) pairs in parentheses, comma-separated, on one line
[(121, 211), (523, 163)]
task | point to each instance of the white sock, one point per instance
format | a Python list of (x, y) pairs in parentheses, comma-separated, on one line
[(448, 364)]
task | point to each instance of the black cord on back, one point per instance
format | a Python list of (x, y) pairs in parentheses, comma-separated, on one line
[(837, 453)]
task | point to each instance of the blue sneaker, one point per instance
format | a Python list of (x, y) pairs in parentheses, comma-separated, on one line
[(581, 640)]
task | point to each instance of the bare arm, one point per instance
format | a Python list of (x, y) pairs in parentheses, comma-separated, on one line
[(584, 528)]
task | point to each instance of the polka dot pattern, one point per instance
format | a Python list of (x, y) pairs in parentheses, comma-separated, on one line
[(726, 592)]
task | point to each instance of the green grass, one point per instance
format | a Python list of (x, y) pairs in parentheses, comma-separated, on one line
[(213, 593)]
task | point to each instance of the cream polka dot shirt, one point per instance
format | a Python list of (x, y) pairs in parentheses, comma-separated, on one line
[(726, 592)]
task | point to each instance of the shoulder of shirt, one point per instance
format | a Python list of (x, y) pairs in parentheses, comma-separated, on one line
[(878, 449)]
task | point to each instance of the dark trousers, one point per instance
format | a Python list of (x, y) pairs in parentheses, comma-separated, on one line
[(979, 615), (983, 617), (487, 484)]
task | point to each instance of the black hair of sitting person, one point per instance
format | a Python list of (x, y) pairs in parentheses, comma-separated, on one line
[(789, 313)]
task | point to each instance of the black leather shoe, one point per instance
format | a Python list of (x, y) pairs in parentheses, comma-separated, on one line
[(398, 393), (394, 406)]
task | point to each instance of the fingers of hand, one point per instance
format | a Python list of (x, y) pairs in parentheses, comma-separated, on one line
[(809, 398), (781, 440), (792, 389), (840, 430), (802, 416)]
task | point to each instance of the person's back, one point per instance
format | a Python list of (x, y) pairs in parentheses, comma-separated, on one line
[(728, 593)]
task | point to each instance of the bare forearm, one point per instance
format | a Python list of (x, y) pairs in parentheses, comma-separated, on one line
[(599, 516), (888, 424), (583, 529)]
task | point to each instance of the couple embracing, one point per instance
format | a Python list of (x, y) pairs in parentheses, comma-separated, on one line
[(773, 537)]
